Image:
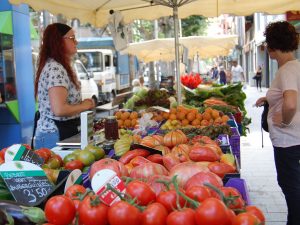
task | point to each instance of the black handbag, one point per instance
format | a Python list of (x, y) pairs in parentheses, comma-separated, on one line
[(264, 117)]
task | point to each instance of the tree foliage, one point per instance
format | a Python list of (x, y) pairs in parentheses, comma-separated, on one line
[(194, 26)]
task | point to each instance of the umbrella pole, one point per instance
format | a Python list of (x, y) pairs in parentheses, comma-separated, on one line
[(176, 28)]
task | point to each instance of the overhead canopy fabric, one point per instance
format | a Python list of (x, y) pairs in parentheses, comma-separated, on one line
[(96, 12), (164, 49)]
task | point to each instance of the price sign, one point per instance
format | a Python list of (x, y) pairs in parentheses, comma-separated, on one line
[(27, 182), (19, 152), (100, 181)]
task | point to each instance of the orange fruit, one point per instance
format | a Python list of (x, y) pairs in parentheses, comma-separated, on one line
[(196, 122), (180, 115), (204, 123), (172, 116), (134, 115), (215, 114), (133, 122), (185, 122), (159, 118), (125, 115), (166, 115), (206, 116), (191, 116), (195, 111), (173, 111), (208, 110), (118, 115), (127, 123), (199, 116), (225, 118)]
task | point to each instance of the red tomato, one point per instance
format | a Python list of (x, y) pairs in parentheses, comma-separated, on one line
[(148, 170), (2, 153), (75, 164), (60, 210), (168, 200), (154, 214), (198, 193), (139, 160), (75, 190), (141, 191), (123, 213), (156, 158), (245, 219), (128, 156), (108, 163), (41, 153), (204, 177), (92, 211), (212, 211), (230, 215), (229, 192), (256, 212), (221, 169), (182, 217), (157, 186)]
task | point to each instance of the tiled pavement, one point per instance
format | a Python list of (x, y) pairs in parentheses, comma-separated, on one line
[(258, 167)]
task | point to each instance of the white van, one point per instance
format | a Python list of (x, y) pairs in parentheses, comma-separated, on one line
[(89, 88), (101, 63)]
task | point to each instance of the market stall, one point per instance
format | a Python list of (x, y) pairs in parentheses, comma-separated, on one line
[(132, 162)]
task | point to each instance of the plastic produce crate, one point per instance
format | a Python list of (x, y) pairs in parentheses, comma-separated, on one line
[(241, 186), (235, 143)]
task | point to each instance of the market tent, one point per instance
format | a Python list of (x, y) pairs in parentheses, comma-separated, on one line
[(96, 12), (164, 49)]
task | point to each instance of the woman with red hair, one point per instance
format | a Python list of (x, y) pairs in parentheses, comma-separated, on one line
[(57, 88)]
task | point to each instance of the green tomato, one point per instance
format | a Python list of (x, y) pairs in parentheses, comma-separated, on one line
[(70, 157), (98, 152), (76, 152), (53, 163), (86, 157)]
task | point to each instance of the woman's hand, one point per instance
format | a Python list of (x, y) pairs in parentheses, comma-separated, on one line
[(88, 104), (260, 101)]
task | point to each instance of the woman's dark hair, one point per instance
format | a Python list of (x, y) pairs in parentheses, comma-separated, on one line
[(281, 36), (52, 46)]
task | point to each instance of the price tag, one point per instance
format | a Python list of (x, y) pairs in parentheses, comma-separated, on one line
[(19, 152), (73, 178), (27, 182), (99, 185)]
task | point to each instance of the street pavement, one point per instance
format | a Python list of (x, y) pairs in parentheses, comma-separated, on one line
[(257, 165)]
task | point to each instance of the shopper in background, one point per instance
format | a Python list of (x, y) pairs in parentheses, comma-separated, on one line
[(237, 73), (258, 77), (284, 113), (57, 88), (222, 75), (136, 85)]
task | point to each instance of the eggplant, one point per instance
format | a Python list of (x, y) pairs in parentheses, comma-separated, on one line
[(21, 215)]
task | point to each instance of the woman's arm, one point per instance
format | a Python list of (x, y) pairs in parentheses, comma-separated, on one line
[(289, 108), (60, 106)]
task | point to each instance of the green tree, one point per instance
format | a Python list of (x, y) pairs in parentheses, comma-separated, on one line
[(194, 26)]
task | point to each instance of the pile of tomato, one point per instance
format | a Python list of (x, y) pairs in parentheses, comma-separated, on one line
[(191, 80), (140, 205)]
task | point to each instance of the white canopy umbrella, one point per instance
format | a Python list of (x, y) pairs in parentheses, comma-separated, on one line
[(97, 12), (164, 49)]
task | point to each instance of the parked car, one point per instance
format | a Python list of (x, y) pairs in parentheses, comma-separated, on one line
[(89, 88)]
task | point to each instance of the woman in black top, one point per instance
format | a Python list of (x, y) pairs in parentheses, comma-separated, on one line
[(258, 77)]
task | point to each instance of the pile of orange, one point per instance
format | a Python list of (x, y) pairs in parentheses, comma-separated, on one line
[(127, 119), (191, 117)]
